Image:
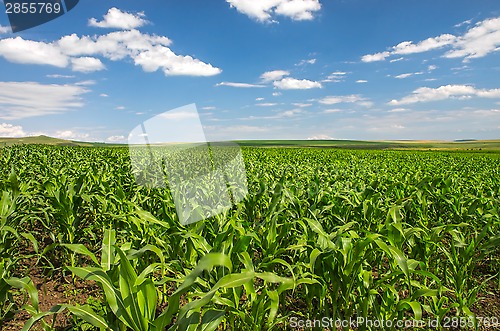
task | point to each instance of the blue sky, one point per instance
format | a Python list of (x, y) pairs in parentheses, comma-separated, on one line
[(258, 69)]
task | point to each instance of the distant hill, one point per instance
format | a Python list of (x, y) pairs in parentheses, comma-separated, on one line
[(44, 140), (471, 145), (462, 145)]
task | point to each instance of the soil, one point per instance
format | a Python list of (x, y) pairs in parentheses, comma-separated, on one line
[(58, 289), (61, 289)]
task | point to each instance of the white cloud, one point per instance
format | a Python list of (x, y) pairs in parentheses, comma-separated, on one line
[(5, 29), (71, 135), (87, 64), (467, 22), (332, 110), (296, 84), (179, 115), (60, 76), (427, 94), (276, 94), (28, 99), (86, 82), (259, 99), (335, 77), (266, 104), (398, 110), (172, 64), (120, 108), (148, 51), (304, 62), (241, 85), (281, 115), (19, 50), (361, 81), (11, 131), (395, 60), (403, 76), (478, 41), (116, 139), (353, 98), (240, 129), (290, 113), (115, 18), (208, 108), (302, 105), (321, 137), (367, 104), (274, 75), (432, 67), (375, 57), (264, 10), (104, 95)]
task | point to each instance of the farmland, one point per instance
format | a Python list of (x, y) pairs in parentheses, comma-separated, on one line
[(323, 232)]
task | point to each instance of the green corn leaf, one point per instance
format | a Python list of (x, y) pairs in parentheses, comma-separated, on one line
[(108, 250), (81, 249), (25, 284), (211, 320), (126, 283), (113, 297), (89, 316)]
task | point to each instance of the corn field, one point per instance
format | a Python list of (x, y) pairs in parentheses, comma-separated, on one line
[(342, 234)]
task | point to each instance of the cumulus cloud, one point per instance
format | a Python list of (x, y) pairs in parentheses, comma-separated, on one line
[(11, 131), (71, 135), (115, 18), (240, 85), (274, 75), (375, 57), (172, 64), (479, 41), (150, 52), (427, 94), (87, 64), (5, 29), (296, 84), (19, 50), (29, 99), (265, 10), (116, 139)]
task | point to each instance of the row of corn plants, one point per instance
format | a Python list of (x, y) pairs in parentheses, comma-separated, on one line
[(322, 233)]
